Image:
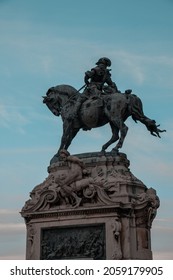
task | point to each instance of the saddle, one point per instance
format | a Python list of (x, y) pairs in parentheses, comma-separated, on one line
[(90, 111)]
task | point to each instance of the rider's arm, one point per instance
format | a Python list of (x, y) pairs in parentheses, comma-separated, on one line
[(88, 75), (110, 82)]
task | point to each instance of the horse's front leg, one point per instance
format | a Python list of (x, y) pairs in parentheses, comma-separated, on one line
[(72, 134), (63, 144), (65, 136), (69, 132)]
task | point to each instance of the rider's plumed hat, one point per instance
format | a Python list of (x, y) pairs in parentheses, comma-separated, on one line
[(104, 60)]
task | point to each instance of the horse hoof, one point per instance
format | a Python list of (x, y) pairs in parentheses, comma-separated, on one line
[(115, 151), (103, 152)]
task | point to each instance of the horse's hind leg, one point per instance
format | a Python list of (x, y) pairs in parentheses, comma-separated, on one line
[(114, 138), (123, 132)]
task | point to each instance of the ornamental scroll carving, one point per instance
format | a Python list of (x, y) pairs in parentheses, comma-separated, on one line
[(149, 198), (150, 202)]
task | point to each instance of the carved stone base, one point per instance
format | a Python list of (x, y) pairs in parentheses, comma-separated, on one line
[(90, 207)]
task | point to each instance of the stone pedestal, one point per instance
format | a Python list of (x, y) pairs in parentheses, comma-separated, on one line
[(90, 207)]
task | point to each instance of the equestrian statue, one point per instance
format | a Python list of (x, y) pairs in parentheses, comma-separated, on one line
[(100, 103)]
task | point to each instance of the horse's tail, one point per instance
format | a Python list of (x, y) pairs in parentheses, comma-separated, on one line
[(136, 108)]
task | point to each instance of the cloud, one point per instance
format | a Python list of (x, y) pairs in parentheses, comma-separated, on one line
[(7, 213), (10, 217), (33, 150), (48, 55), (131, 65), (20, 256), (165, 213), (11, 229), (11, 116), (167, 228), (12, 235), (144, 68), (19, 118), (162, 231), (159, 255)]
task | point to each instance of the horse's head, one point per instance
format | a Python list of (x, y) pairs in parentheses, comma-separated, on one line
[(53, 101), (57, 97)]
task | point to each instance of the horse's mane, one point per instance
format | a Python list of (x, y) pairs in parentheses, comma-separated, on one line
[(66, 90)]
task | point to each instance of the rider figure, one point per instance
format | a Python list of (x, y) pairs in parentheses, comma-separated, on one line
[(98, 76), (95, 80)]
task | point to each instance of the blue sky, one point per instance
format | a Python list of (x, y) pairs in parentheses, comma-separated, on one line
[(46, 43)]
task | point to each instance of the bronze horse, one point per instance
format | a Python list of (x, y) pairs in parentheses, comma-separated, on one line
[(109, 107)]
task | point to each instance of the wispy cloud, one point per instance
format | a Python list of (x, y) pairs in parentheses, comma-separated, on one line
[(164, 229), (10, 217), (34, 52), (18, 118), (11, 228), (4, 212), (10, 116), (33, 150), (144, 68), (12, 234), (20, 256), (159, 255)]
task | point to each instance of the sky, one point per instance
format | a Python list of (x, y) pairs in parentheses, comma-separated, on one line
[(48, 43)]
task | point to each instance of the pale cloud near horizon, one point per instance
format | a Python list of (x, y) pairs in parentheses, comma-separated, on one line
[(12, 235), (20, 256), (7, 211), (166, 255), (11, 228)]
